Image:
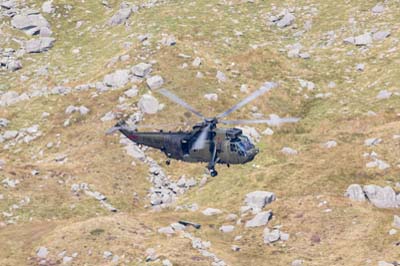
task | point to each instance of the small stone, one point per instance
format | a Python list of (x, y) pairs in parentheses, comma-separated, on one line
[(396, 221), (211, 96), (289, 151), (10, 134), (196, 62), (42, 252), (380, 35), (155, 82), (47, 7), (360, 67), (244, 88), (107, 254), (67, 259), (268, 132), (166, 262), (384, 263), (392, 231), (168, 230), (168, 40), (4, 122), (221, 76), (378, 8), (132, 92), (372, 141), (271, 236), (227, 228), (211, 212), (384, 94), (83, 110), (231, 217), (330, 144), (297, 263)]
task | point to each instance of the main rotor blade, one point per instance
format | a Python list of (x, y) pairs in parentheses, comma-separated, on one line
[(201, 139), (179, 101), (264, 88), (274, 121)]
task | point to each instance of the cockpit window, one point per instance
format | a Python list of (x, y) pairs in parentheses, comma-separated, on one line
[(245, 143)]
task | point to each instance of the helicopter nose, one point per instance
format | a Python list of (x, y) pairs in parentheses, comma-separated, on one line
[(252, 153)]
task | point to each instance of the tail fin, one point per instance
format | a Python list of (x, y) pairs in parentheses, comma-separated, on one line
[(120, 125)]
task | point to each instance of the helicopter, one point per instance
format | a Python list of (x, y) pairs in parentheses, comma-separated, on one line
[(205, 142)]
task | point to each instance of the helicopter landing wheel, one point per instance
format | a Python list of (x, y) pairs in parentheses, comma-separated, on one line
[(213, 172), (168, 162)]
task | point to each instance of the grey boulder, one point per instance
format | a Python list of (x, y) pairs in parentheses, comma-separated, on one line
[(148, 104), (260, 219), (286, 20), (117, 79), (120, 17), (362, 40), (355, 192), (259, 199), (39, 45), (271, 236), (30, 24), (141, 69), (155, 82), (381, 197)]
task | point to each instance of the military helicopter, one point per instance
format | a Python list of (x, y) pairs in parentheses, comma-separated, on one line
[(205, 142)]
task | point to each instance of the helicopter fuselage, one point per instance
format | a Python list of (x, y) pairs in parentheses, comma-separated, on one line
[(229, 144)]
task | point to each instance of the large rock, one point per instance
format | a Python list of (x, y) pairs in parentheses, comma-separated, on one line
[(355, 192), (39, 45), (260, 219), (259, 199), (121, 16), (30, 24), (141, 69), (363, 39), (148, 104), (381, 197), (117, 79)]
